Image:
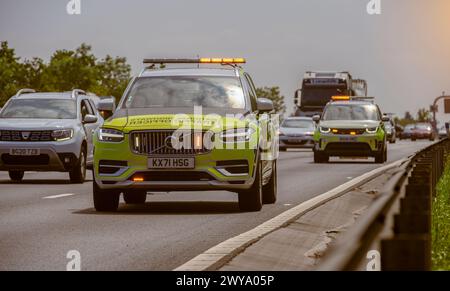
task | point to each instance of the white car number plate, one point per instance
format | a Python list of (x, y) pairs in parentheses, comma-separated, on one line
[(24, 152), (171, 163)]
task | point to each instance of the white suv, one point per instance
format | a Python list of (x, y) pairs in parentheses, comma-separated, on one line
[(48, 132)]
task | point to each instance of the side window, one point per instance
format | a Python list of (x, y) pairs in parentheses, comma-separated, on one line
[(93, 107), (85, 109), (252, 86), (250, 89)]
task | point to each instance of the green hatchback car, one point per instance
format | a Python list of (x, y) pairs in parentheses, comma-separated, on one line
[(187, 129), (350, 127)]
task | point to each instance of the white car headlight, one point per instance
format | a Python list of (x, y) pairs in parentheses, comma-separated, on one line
[(372, 130), (324, 129), (62, 134), (110, 135), (237, 134)]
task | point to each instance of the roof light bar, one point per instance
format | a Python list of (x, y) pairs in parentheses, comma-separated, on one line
[(348, 98), (196, 61), (340, 98)]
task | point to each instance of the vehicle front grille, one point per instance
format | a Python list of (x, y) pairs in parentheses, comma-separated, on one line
[(349, 131), (40, 160), (25, 136), (352, 148), (158, 143)]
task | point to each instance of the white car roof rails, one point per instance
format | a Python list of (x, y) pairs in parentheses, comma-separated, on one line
[(76, 92), (24, 91)]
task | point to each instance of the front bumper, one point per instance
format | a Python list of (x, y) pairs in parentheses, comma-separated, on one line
[(54, 156), (421, 135), (366, 145), (115, 166), (296, 141)]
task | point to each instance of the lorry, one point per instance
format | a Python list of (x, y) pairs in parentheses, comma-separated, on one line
[(317, 88)]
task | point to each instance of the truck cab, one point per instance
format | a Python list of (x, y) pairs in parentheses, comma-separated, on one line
[(317, 88)]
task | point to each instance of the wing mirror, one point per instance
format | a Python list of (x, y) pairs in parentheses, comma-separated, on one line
[(90, 119), (106, 108), (316, 118), (264, 105)]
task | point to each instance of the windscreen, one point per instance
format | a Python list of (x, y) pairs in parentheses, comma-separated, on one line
[(292, 123), (316, 96), (351, 112), (40, 109), (186, 91)]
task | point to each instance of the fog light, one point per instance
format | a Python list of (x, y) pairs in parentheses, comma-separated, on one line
[(138, 179)]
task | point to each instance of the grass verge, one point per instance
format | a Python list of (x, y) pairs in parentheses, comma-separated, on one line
[(441, 223)]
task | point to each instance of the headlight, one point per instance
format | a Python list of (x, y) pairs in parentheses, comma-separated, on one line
[(237, 135), (372, 129), (280, 133), (62, 134), (110, 135), (324, 129)]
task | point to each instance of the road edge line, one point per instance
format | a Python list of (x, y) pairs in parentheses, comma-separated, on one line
[(220, 254)]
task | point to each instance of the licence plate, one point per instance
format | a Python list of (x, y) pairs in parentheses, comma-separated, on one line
[(348, 138), (294, 140), (171, 163), (24, 152)]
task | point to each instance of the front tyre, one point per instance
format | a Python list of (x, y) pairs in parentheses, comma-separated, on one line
[(135, 196), (105, 200), (251, 199), (270, 190), (320, 158), (381, 156), (16, 176), (78, 173)]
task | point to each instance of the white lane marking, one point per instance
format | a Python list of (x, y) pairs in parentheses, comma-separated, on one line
[(222, 253), (58, 196)]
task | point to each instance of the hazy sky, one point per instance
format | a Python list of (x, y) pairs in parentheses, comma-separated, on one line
[(404, 53)]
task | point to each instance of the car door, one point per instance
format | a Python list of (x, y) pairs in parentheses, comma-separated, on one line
[(268, 154), (85, 109)]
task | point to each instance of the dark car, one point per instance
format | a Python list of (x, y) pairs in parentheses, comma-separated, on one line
[(423, 131), (407, 131)]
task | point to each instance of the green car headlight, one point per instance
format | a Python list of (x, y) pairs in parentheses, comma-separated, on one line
[(324, 129), (372, 130), (62, 134), (110, 135), (237, 135)]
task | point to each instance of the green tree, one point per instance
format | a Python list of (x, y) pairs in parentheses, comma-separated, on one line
[(273, 93), (11, 72), (407, 119), (114, 76), (66, 70), (423, 115)]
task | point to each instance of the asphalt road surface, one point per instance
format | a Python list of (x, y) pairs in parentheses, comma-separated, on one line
[(45, 217)]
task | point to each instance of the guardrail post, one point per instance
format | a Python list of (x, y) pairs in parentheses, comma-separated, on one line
[(410, 248)]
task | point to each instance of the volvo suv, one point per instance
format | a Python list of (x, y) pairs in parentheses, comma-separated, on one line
[(191, 127)]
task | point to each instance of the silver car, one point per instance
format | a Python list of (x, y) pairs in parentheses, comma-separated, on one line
[(48, 132), (296, 132)]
